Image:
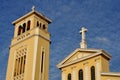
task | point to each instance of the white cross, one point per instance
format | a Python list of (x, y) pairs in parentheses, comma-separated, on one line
[(83, 41), (83, 30), (33, 8)]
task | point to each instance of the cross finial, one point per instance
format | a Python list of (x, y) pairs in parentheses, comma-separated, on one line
[(83, 41), (33, 8)]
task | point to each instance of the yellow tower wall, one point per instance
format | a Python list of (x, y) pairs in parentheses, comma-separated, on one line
[(34, 42), (29, 61)]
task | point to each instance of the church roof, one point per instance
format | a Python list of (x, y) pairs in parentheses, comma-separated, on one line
[(94, 51), (30, 13)]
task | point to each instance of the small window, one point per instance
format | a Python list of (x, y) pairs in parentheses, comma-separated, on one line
[(28, 25), (69, 76), (92, 73), (21, 65), (37, 24), (42, 61), (15, 69), (20, 62), (18, 72), (44, 27), (20, 30), (80, 74), (40, 25), (24, 27), (24, 63)]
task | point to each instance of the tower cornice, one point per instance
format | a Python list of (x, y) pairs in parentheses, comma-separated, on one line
[(29, 14), (33, 32)]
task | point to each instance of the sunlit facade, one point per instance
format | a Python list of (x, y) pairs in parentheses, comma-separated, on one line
[(87, 64), (30, 48)]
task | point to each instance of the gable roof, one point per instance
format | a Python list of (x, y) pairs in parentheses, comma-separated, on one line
[(95, 51), (30, 13)]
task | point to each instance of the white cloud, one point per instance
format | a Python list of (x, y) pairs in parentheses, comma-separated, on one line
[(102, 39)]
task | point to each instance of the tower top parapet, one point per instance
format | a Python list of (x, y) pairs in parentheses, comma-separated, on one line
[(31, 13)]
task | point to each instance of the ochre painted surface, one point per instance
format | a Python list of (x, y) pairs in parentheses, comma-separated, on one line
[(72, 64), (36, 40)]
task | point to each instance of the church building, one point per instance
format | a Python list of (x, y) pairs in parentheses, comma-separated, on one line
[(30, 48), (30, 51), (87, 64)]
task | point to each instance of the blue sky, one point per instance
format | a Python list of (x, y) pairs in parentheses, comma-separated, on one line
[(100, 17)]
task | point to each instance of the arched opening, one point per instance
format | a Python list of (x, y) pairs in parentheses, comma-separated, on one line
[(42, 61), (24, 63), (40, 25), (37, 24), (92, 73), (24, 27), (28, 25), (44, 27), (19, 30), (69, 76), (80, 74)]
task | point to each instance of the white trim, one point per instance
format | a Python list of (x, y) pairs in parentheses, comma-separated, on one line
[(98, 70), (44, 60), (71, 54), (63, 76), (86, 73), (35, 53), (94, 51), (110, 74), (26, 62), (30, 37), (42, 76), (13, 65), (40, 63), (73, 74), (83, 58)]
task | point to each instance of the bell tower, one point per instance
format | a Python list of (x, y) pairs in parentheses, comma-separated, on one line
[(30, 48)]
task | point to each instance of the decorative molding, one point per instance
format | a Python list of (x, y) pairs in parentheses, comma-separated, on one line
[(19, 53), (40, 78), (73, 67), (111, 74), (29, 36), (13, 64), (22, 37), (35, 55), (98, 70), (86, 73), (84, 58), (75, 58), (97, 59), (63, 76), (73, 74), (85, 63), (95, 52), (21, 46)]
